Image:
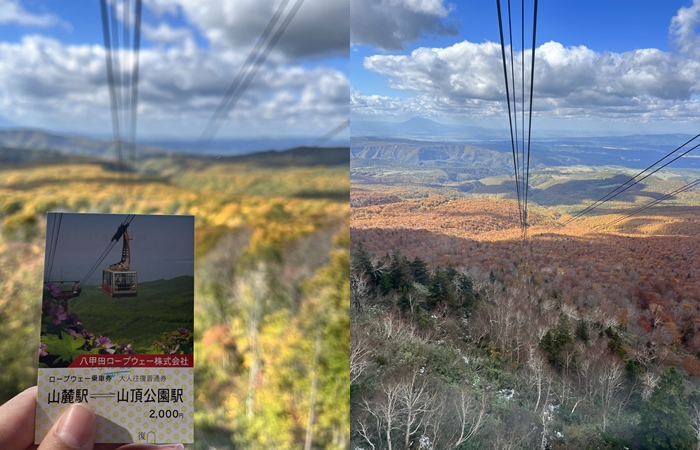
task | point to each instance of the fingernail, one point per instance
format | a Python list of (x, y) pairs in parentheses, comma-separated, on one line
[(77, 427)]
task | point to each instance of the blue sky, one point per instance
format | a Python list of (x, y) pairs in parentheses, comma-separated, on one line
[(154, 255), (603, 67), (53, 73)]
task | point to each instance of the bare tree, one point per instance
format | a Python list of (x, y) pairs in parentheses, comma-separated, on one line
[(452, 423), (471, 414), (610, 380), (695, 419), (359, 288), (386, 409), (537, 366), (547, 414), (360, 352), (252, 292), (417, 400), (649, 381), (363, 427)]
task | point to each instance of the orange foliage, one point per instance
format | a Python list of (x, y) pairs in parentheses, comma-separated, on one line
[(359, 199), (623, 318), (691, 365), (644, 324), (216, 340)]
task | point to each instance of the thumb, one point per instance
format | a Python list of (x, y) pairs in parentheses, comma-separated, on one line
[(75, 430)]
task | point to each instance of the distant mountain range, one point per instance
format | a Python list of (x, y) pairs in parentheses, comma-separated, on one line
[(626, 151), (25, 146), (57, 145), (65, 145), (548, 148)]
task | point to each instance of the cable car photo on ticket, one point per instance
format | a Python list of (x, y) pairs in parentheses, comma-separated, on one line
[(140, 304), (118, 280)]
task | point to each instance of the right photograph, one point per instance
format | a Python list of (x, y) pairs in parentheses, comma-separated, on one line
[(525, 213)]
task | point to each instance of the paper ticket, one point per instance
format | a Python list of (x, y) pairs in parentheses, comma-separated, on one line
[(117, 325)]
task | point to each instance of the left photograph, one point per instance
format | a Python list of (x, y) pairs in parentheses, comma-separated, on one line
[(230, 114)]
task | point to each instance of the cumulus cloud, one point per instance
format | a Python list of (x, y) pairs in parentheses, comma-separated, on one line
[(46, 83), (319, 28), (683, 27), (11, 11), (467, 78), (391, 24), (165, 34), (431, 7)]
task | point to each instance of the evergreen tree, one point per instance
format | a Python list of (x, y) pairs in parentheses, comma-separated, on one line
[(420, 272), (562, 333), (615, 345), (665, 420), (362, 261), (554, 341), (582, 331), (399, 271), (440, 289), (466, 292)]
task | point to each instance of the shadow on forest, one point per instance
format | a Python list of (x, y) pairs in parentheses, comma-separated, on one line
[(571, 193), (324, 194), (441, 249), (576, 191)]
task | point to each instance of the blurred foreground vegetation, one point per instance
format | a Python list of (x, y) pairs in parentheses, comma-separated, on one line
[(272, 328)]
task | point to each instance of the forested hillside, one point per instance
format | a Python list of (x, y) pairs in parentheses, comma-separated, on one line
[(467, 357)]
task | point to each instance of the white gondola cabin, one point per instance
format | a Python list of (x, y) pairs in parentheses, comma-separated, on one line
[(120, 283), (118, 280)]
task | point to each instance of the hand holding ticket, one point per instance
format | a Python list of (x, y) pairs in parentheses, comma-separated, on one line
[(75, 429), (116, 339)]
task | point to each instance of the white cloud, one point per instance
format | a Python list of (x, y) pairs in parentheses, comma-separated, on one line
[(11, 11), (683, 27), (319, 28), (44, 83), (391, 24), (164, 34), (430, 7), (467, 79)]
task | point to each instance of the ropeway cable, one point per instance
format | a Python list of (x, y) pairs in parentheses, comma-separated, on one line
[(123, 88), (53, 243), (521, 163), (510, 121), (247, 73), (620, 189), (680, 190), (331, 133), (110, 79), (110, 246)]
